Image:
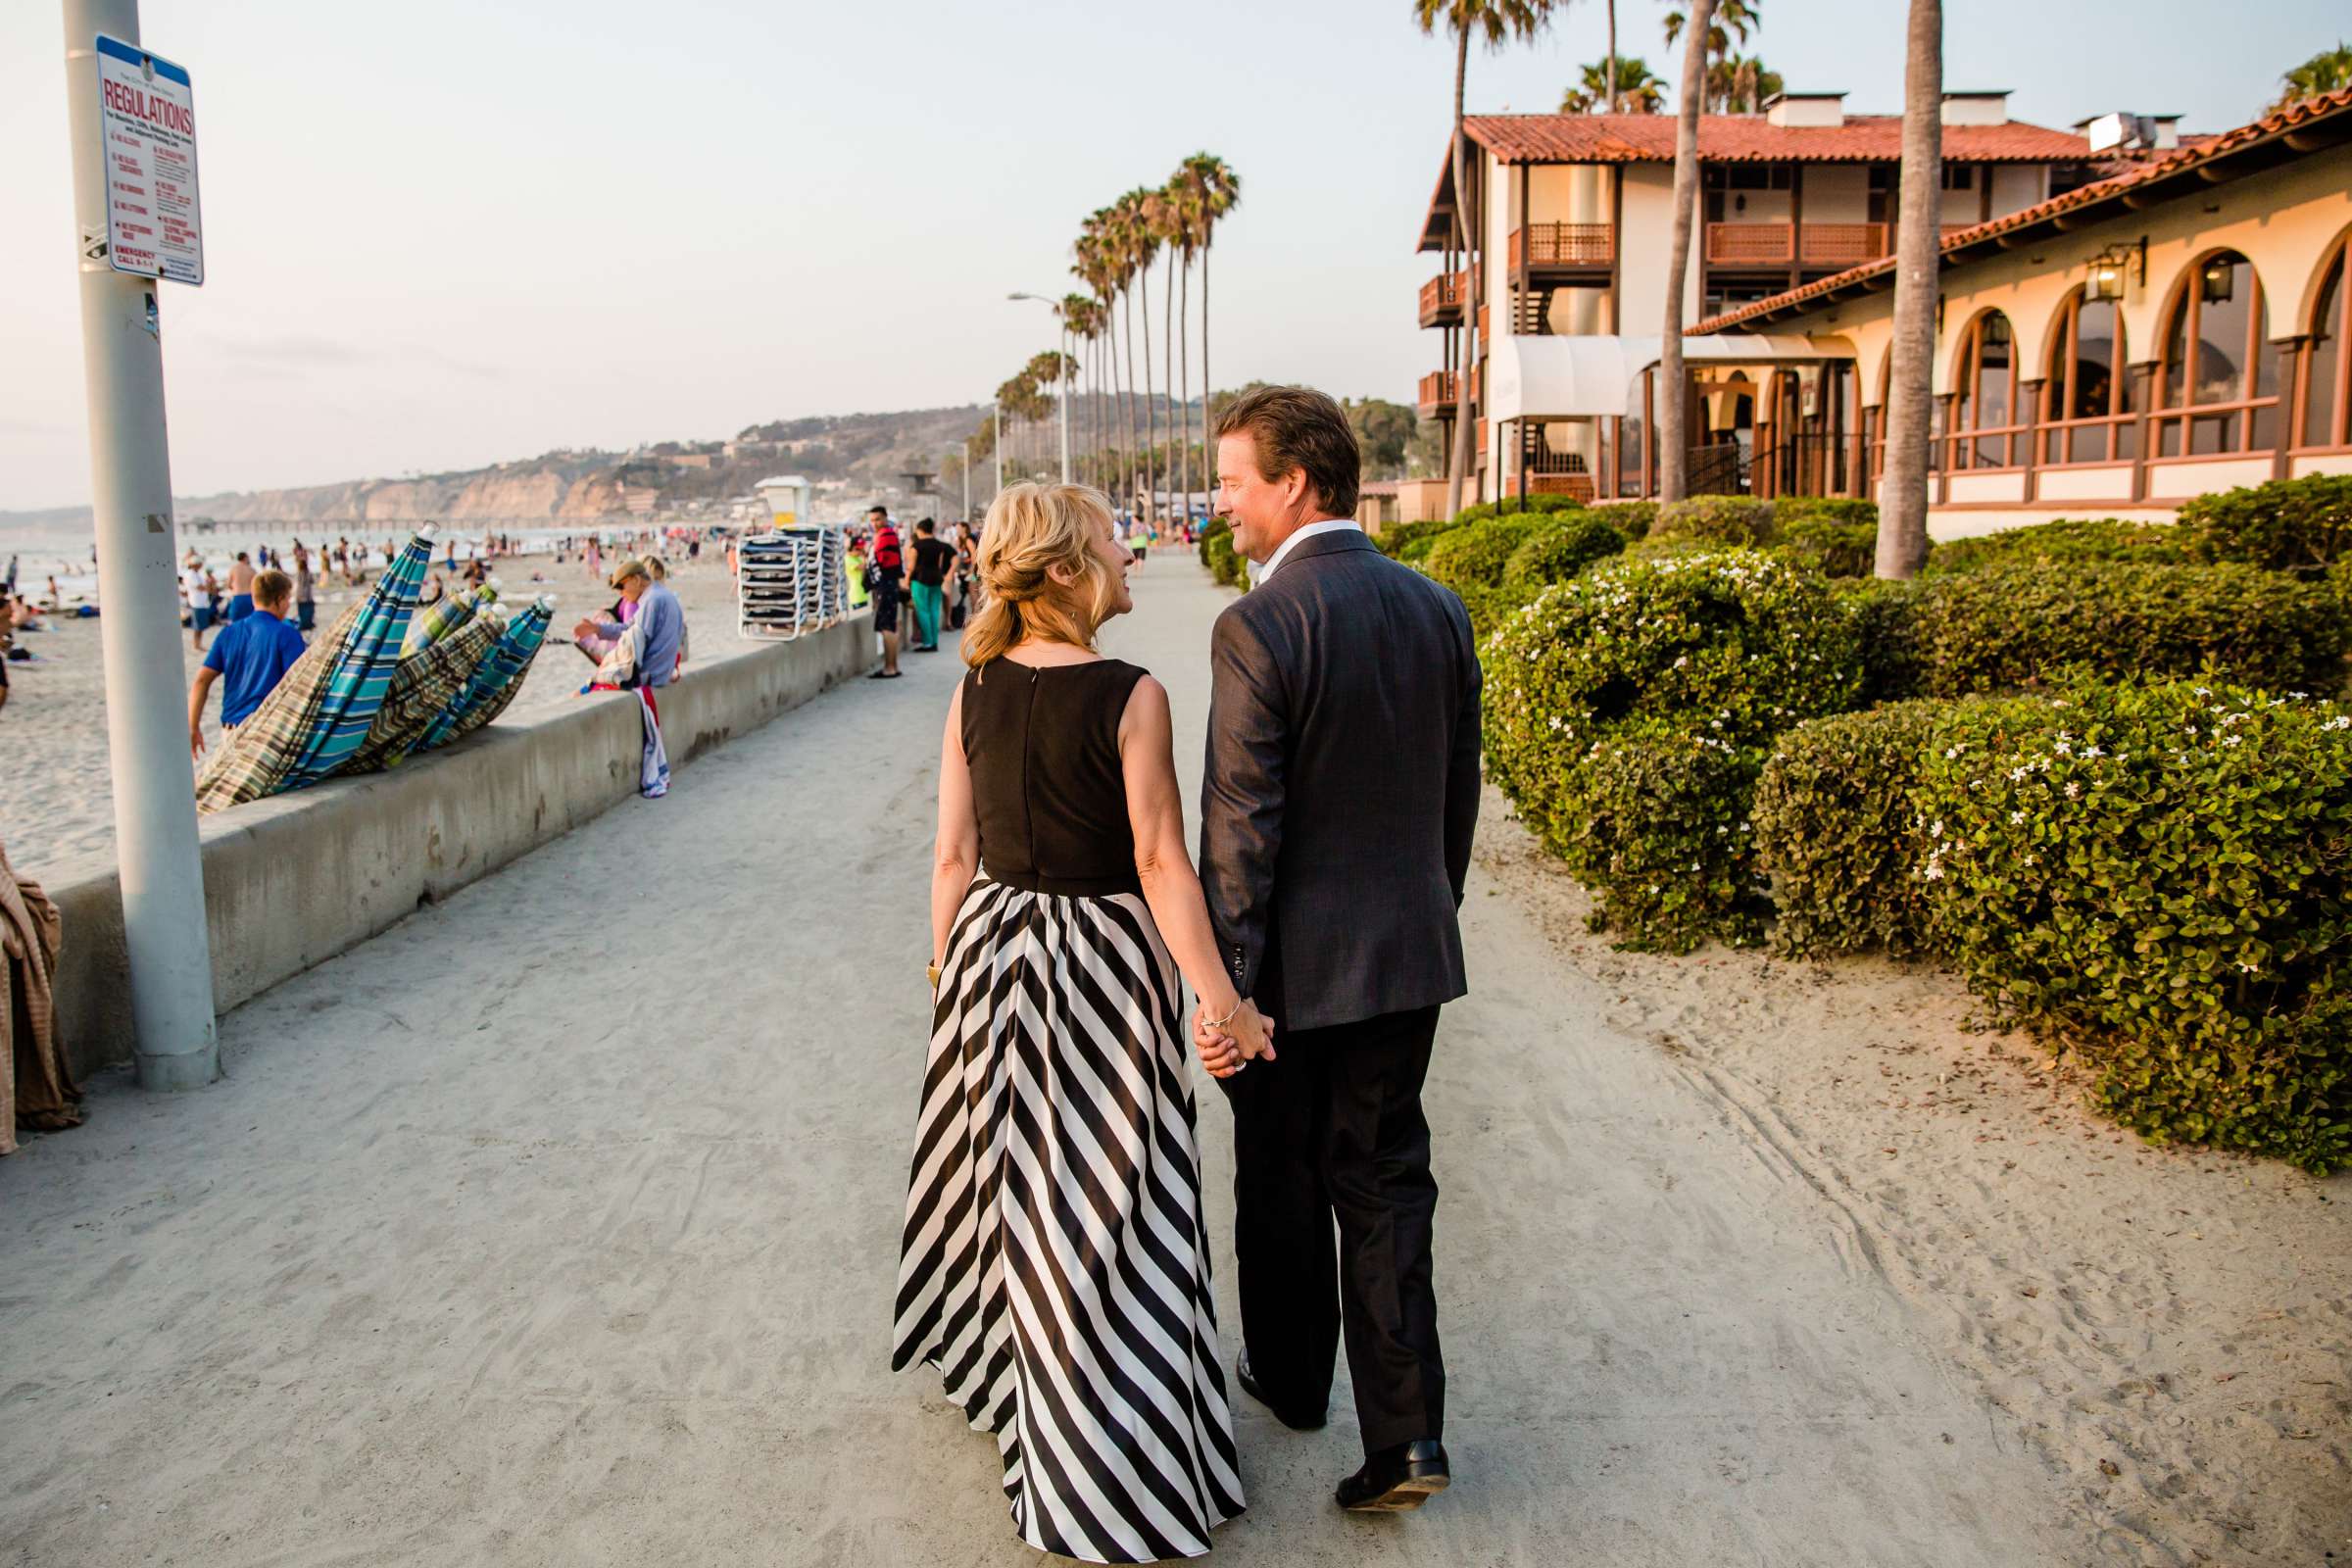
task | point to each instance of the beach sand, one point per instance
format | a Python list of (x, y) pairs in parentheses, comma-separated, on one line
[(56, 795)]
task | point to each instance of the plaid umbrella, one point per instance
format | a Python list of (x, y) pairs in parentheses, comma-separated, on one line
[(495, 680), (252, 760), (452, 611), (366, 657), (427, 681)]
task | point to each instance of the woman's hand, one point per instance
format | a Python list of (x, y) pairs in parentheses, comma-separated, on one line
[(1225, 1048)]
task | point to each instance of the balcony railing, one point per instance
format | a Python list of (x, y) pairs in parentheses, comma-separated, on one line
[(1824, 244), (1564, 245), (1438, 391), (1442, 298)]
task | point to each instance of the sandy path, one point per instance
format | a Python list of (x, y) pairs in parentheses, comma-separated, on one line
[(523, 1236), (57, 798)]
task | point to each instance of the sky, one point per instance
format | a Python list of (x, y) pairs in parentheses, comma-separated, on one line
[(440, 234)]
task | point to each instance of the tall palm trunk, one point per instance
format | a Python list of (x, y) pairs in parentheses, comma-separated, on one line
[(1184, 383), (1167, 371), (1143, 275), (1127, 309), (1903, 506), (1674, 442), (1463, 434), (1208, 429), (1612, 85)]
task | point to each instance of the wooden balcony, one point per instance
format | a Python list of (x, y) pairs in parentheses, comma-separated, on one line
[(1774, 245), (1562, 246), (1438, 390), (1442, 298)]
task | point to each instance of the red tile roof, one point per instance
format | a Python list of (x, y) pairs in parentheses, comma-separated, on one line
[(1752, 138), (2272, 127)]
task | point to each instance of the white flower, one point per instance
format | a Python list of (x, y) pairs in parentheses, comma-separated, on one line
[(2247, 967), (2092, 751), (1682, 662), (1936, 828), (2073, 789), (2232, 740), (2017, 816), (2339, 721)]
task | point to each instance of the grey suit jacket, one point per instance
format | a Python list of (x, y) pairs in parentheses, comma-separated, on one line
[(1343, 786)]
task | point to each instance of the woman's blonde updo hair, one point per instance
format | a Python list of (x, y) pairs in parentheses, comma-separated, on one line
[(1032, 528)]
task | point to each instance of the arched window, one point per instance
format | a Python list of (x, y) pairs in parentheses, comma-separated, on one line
[(2086, 396), (2215, 391), (2326, 366), (1986, 433)]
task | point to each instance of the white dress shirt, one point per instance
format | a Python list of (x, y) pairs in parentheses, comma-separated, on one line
[(1327, 525)]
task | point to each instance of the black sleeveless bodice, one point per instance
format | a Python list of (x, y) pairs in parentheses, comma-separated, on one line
[(1043, 745)]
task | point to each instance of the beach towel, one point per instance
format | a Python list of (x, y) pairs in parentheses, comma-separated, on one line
[(426, 682), (653, 771), (37, 1091)]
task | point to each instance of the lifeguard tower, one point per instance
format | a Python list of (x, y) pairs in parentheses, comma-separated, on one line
[(788, 499)]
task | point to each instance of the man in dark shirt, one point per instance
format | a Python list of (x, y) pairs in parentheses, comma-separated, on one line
[(934, 558), (885, 571), (249, 657)]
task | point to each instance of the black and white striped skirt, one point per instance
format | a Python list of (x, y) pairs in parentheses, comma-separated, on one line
[(1054, 1265)]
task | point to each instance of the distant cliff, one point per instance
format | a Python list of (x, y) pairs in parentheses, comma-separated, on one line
[(586, 486)]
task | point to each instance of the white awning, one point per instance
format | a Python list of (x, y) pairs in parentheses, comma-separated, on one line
[(1583, 375)]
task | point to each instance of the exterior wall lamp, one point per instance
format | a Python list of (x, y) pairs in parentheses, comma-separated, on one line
[(2216, 279), (2109, 268)]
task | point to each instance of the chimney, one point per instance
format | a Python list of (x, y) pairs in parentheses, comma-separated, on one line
[(1976, 108), (1805, 109)]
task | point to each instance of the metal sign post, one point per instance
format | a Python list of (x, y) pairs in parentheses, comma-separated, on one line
[(136, 216)]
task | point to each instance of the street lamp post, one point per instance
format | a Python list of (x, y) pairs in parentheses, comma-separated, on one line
[(1061, 378), (998, 410), (158, 854)]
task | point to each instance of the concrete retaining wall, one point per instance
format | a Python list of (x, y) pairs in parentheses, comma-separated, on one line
[(293, 880)]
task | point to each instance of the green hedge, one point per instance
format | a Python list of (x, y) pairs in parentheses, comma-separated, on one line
[(2013, 625), (1837, 832), (1835, 509), (1829, 545), (1411, 541), (1564, 547), (2159, 877), (1224, 563), (1631, 518), (2300, 525), (2068, 540), (1716, 521), (1472, 560), (1723, 651)]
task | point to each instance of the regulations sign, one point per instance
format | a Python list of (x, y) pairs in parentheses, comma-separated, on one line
[(147, 125)]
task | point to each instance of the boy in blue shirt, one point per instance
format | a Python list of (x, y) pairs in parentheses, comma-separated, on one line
[(249, 657)]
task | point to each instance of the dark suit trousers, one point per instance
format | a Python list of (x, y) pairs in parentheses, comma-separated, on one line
[(1332, 1127)]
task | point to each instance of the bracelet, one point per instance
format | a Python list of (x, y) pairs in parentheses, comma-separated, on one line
[(1219, 1023)]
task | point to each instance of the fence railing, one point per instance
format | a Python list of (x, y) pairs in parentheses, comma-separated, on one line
[(1564, 245)]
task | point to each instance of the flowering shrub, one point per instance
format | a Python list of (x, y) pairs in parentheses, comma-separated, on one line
[(1472, 560), (1716, 521), (1829, 546), (1723, 651), (2159, 879), (1835, 509), (1631, 518), (1836, 830), (1570, 543), (2300, 525), (2011, 625), (1224, 563), (2155, 544)]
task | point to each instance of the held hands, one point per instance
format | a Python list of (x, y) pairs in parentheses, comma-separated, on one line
[(1224, 1050)]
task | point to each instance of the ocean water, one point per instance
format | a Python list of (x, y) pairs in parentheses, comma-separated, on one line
[(67, 554)]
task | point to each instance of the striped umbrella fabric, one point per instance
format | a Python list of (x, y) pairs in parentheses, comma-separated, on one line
[(438, 620), (495, 680), (426, 682), (363, 671), (252, 760)]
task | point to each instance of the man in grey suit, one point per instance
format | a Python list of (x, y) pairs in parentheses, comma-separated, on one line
[(1336, 818)]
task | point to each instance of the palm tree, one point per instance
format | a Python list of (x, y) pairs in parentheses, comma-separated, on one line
[(1740, 83), (1611, 78), (1220, 191), (1167, 217), (1497, 22), (1080, 318), (1903, 504), (1674, 442), (2328, 71), (1184, 199), (1731, 19), (1143, 249), (1637, 90)]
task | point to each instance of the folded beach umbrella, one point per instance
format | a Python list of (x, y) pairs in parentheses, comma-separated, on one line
[(426, 682), (251, 761), (495, 680), (368, 655), (437, 622)]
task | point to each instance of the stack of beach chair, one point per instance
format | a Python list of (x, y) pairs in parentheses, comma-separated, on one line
[(791, 581)]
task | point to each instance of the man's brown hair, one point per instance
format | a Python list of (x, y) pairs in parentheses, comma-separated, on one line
[(1298, 427), (272, 587)]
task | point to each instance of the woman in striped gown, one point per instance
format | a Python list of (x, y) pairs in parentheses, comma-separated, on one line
[(1055, 1263)]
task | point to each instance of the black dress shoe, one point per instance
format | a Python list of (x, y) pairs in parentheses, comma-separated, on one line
[(1396, 1480), (1294, 1420)]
